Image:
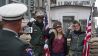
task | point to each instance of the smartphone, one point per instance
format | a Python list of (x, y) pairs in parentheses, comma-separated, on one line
[(28, 29)]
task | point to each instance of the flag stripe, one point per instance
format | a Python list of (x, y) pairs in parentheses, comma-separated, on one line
[(89, 30)]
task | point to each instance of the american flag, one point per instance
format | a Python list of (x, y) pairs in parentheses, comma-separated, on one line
[(46, 48), (86, 49)]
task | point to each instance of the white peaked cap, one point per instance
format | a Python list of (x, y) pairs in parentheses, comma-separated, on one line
[(39, 13), (13, 11)]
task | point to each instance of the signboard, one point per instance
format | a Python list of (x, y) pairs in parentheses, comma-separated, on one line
[(80, 3)]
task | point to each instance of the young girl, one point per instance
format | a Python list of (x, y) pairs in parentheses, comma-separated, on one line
[(57, 41)]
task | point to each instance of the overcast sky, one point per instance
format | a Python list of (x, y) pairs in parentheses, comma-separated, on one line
[(96, 4)]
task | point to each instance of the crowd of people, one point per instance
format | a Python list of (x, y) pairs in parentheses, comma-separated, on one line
[(11, 45)]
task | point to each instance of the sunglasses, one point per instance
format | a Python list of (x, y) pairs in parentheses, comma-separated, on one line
[(76, 26), (40, 16), (58, 26)]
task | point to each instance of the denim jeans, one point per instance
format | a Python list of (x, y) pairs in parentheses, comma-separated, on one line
[(75, 53)]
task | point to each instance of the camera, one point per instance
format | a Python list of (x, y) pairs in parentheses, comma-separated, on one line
[(27, 29)]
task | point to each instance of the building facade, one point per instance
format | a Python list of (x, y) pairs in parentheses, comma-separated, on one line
[(63, 10), (68, 10)]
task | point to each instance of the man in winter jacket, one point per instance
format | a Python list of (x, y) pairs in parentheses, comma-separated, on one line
[(77, 36), (37, 40)]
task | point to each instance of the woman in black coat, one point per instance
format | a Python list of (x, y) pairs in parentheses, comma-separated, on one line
[(57, 41)]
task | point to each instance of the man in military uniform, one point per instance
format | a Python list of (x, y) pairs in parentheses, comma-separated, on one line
[(10, 44), (37, 40)]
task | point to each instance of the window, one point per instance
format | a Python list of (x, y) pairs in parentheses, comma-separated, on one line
[(53, 1), (2, 2), (83, 23), (22, 1), (67, 21)]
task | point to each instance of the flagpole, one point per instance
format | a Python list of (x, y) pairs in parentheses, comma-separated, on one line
[(47, 7), (92, 28), (92, 19), (47, 25)]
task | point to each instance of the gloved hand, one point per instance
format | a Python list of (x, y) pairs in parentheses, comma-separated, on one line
[(71, 27), (52, 30)]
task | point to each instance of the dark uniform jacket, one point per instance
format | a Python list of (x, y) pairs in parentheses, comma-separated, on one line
[(10, 45), (37, 35), (37, 40)]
